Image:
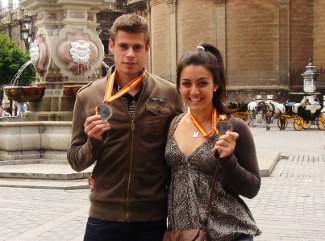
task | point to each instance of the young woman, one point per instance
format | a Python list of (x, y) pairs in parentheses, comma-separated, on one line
[(195, 148)]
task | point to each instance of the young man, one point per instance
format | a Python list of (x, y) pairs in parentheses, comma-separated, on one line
[(125, 140)]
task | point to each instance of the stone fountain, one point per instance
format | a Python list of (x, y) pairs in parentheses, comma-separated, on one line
[(69, 52), (66, 52)]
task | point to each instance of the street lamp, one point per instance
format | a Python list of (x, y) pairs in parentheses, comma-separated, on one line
[(25, 31), (310, 78)]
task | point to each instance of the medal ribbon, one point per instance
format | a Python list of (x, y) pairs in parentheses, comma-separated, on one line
[(214, 121), (108, 95), (108, 98)]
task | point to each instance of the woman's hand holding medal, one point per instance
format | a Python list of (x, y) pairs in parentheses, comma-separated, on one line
[(226, 144), (95, 127)]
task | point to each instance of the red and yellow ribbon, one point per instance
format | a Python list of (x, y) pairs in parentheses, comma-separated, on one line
[(108, 98), (214, 123)]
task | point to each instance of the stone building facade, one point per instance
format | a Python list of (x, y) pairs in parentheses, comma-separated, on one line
[(262, 42), (266, 44)]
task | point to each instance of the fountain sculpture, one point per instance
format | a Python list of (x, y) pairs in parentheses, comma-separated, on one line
[(67, 52)]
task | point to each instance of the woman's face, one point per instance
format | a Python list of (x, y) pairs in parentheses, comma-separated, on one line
[(196, 87)]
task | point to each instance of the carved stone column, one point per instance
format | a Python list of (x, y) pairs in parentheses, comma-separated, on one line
[(221, 24), (172, 4), (284, 42)]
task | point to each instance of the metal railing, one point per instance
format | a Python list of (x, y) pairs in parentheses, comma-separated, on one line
[(297, 80)]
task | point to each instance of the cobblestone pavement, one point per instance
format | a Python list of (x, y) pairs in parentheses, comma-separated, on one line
[(289, 206), (42, 214), (291, 202)]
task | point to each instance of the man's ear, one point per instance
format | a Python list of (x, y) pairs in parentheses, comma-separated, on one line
[(148, 46), (111, 45)]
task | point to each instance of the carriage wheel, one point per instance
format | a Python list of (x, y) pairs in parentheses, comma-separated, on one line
[(298, 123), (284, 125), (306, 124), (321, 121)]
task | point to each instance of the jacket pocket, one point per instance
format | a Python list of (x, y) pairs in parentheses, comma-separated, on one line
[(154, 124)]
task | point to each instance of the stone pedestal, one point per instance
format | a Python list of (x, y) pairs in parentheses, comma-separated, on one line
[(34, 140)]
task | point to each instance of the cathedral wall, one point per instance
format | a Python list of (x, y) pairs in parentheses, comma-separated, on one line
[(301, 33), (196, 23), (249, 36), (319, 34), (252, 43), (160, 41)]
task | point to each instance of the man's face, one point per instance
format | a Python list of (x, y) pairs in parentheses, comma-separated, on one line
[(130, 53)]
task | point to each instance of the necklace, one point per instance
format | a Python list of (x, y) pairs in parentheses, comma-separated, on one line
[(199, 127)]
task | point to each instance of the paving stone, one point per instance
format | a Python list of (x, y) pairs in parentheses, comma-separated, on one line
[(290, 205)]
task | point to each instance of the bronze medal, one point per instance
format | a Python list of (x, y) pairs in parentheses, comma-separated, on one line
[(105, 111)]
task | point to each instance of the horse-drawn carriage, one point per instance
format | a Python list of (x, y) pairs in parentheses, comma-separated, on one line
[(269, 110), (245, 111), (288, 115), (302, 116), (308, 114)]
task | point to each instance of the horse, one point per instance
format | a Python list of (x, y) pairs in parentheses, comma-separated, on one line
[(269, 110), (280, 110), (238, 106), (240, 109)]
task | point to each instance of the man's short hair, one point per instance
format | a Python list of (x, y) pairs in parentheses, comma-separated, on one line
[(131, 23)]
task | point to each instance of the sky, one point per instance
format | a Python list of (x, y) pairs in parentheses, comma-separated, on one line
[(5, 2)]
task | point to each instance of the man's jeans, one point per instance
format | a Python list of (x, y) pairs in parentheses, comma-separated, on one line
[(99, 230)]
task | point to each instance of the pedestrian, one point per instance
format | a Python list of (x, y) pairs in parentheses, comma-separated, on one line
[(315, 102), (305, 102), (125, 140), (196, 148), (3, 112)]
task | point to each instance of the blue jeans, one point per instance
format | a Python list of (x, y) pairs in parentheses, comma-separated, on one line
[(99, 230)]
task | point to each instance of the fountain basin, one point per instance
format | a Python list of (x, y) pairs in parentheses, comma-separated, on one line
[(34, 140), (24, 93), (71, 90)]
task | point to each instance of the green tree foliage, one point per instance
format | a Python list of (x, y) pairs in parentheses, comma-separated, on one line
[(11, 60)]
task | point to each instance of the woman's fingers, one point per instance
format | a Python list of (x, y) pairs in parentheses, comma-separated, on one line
[(225, 145)]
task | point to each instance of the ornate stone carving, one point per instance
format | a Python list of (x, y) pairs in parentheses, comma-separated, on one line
[(34, 52), (284, 1), (220, 2), (136, 7), (51, 16), (78, 51), (77, 14), (39, 54), (172, 5)]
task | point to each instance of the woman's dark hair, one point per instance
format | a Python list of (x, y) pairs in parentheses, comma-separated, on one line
[(209, 57)]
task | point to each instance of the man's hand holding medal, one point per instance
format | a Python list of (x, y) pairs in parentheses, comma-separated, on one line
[(96, 125)]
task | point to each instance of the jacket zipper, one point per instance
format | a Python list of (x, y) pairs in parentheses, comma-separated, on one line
[(131, 158), (129, 179)]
